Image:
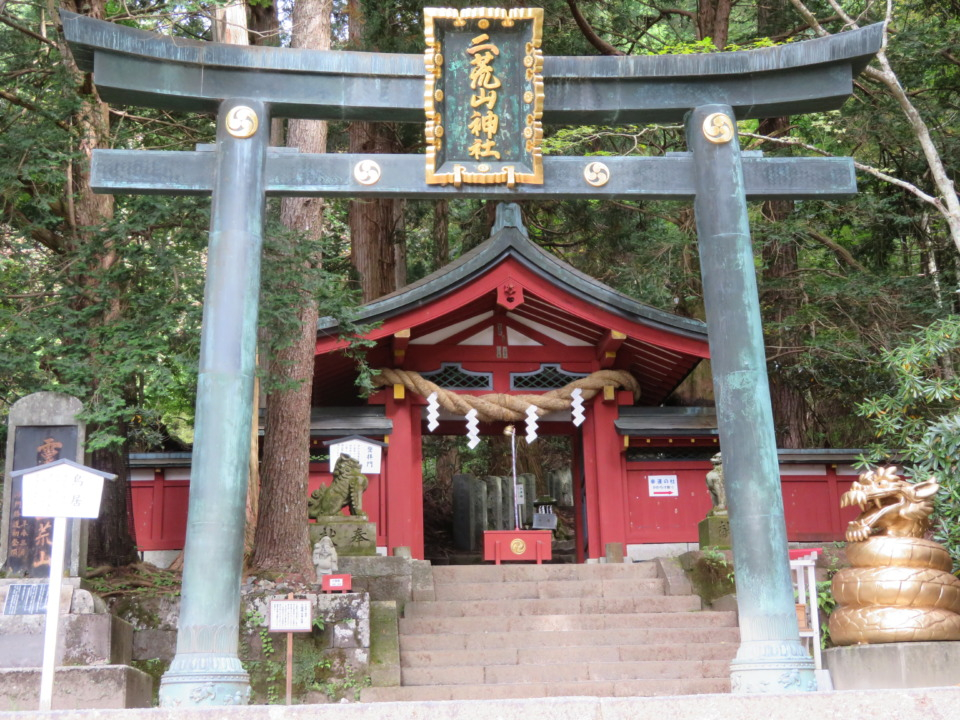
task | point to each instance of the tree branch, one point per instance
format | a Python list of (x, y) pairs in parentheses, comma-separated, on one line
[(869, 169), (602, 46), (26, 31), (11, 98), (838, 250), (950, 56)]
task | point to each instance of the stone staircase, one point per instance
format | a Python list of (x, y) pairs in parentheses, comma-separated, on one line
[(526, 631)]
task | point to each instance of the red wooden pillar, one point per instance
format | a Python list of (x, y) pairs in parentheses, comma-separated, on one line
[(403, 481), (604, 477)]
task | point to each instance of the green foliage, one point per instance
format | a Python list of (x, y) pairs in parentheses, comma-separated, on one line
[(348, 686), (917, 418), (825, 605)]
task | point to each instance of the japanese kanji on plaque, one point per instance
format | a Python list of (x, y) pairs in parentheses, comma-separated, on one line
[(484, 96)]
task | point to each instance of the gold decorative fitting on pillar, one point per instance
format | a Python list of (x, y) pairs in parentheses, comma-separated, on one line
[(596, 174), (242, 121), (367, 172), (718, 128)]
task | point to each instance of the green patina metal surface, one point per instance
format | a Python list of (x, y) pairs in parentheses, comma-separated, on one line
[(206, 668), (771, 658), (292, 174)]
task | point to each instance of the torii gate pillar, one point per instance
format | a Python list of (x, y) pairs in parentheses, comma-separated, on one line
[(770, 657), (206, 668)]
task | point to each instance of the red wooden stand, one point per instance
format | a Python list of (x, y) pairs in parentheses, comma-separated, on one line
[(503, 545)]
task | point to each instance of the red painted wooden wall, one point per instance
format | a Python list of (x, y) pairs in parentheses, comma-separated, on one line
[(811, 498), (811, 502), (160, 507)]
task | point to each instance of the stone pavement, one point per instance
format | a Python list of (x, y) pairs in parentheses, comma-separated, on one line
[(919, 704)]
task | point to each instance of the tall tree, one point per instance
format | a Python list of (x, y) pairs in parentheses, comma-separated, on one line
[(281, 543), (377, 240), (781, 296), (111, 540)]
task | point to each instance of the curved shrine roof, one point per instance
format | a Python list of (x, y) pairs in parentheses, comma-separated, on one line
[(509, 302)]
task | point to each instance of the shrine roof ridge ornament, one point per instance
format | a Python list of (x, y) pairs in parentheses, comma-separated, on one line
[(136, 67)]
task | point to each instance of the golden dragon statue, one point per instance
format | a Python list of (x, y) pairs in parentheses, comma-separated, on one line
[(900, 587)]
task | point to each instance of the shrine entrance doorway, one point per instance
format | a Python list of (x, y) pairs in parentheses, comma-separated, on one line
[(466, 492)]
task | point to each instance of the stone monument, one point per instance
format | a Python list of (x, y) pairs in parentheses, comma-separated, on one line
[(43, 427), (94, 643)]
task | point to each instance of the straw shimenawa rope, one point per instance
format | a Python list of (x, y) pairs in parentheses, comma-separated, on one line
[(505, 407)]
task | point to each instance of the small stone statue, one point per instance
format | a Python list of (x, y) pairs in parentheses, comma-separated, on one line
[(325, 557), (718, 492), (346, 491)]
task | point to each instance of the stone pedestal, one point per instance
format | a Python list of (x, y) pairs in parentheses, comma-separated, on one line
[(78, 688), (715, 532), (350, 535), (894, 665), (88, 634)]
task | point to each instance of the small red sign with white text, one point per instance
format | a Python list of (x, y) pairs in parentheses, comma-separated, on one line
[(336, 583)]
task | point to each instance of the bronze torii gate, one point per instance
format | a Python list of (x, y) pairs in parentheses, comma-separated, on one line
[(247, 86)]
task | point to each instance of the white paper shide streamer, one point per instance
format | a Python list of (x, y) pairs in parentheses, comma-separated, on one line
[(433, 412), (576, 398), (531, 424), (473, 429)]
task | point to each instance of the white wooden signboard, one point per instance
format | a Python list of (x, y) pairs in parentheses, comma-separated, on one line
[(67, 491), (368, 454), (290, 616)]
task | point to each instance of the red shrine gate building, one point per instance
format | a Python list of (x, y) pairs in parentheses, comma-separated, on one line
[(507, 319)]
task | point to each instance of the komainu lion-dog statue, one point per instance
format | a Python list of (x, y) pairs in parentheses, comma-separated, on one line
[(900, 587), (346, 491)]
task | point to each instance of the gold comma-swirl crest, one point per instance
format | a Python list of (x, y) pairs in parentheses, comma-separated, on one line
[(242, 121), (718, 128), (596, 174), (518, 546)]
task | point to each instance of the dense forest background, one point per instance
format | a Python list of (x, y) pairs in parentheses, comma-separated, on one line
[(101, 296)]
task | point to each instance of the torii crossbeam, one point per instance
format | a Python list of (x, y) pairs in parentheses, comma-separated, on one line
[(247, 86)]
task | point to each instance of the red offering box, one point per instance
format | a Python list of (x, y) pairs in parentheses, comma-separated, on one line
[(521, 545)]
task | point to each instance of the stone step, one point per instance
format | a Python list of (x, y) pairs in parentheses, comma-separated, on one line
[(455, 574), (494, 609), (553, 623), (563, 672), (559, 654), (570, 638), (549, 589), (627, 688)]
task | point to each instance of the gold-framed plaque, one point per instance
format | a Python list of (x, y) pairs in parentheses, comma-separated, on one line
[(484, 96)]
